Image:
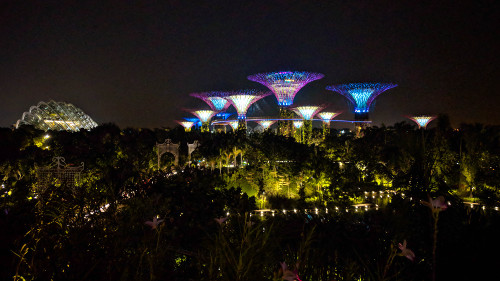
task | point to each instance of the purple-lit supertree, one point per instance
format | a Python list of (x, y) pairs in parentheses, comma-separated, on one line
[(422, 120), (307, 113), (215, 99), (204, 115), (242, 100), (361, 95), (327, 116), (186, 124), (285, 85)]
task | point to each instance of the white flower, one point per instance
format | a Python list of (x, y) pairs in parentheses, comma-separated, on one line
[(154, 224)]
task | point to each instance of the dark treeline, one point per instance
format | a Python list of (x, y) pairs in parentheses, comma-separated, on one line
[(95, 228)]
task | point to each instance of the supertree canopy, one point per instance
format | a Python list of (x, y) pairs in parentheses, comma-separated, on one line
[(243, 99), (234, 124), (308, 112), (204, 115), (361, 95), (215, 99), (327, 116), (285, 84), (298, 124), (266, 123), (56, 116), (186, 124), (422, 120)]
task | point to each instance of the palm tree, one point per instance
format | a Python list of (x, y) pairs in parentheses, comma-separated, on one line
[(235, 153)]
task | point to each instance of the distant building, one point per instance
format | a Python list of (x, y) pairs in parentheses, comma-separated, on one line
[(57, 116)]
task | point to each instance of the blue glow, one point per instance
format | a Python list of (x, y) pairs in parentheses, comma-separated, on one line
[(196, 121), (361, 95), (218, 103), (223, 115)]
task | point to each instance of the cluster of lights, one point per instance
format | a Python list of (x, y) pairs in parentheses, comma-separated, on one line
[(186, 124), (215, 99), (54, 115), (234, 124), (361, 95), (266, 123), (308, 112), (298, 124), (243, 99), (422, 120), (204, 115), (285, 84), (327, 116)]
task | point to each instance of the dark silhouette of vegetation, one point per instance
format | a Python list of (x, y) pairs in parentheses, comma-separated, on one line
[(96, 229)]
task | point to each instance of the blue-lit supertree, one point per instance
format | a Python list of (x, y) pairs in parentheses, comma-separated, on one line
[(285, 85), (215, 99), (361, 95)]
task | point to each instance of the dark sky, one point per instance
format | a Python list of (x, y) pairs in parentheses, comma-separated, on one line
[(135, 62)]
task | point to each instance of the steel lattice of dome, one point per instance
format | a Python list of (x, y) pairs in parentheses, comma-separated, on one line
[(58, 116)]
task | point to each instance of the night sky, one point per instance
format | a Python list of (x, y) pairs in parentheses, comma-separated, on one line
[(135, 64)]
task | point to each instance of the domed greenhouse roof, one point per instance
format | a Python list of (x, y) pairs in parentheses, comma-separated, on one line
[(56, 116)]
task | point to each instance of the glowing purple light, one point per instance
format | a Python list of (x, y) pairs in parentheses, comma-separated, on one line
[(215, 99), (243, 99), (285, 84), (308, 112), (361, 95), (422, 121)]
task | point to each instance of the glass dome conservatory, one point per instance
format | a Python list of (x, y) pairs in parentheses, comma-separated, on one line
[(56, 116)]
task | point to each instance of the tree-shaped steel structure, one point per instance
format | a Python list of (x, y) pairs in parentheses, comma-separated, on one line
[(242, 100), (204, 115), (186, 124), (215, 99), (307, 112), (361, 95), (285, 85), (327, 116), (266, 123), (422, 120)]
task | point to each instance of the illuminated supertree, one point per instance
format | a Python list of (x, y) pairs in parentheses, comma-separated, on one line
[(215, 99), (307, 113), (242, 100), (234, 125), (285, 85), (298, 124), (422, 120), (186, 124), (266, 123), (327, 116), (204, 115), (361, 95)]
